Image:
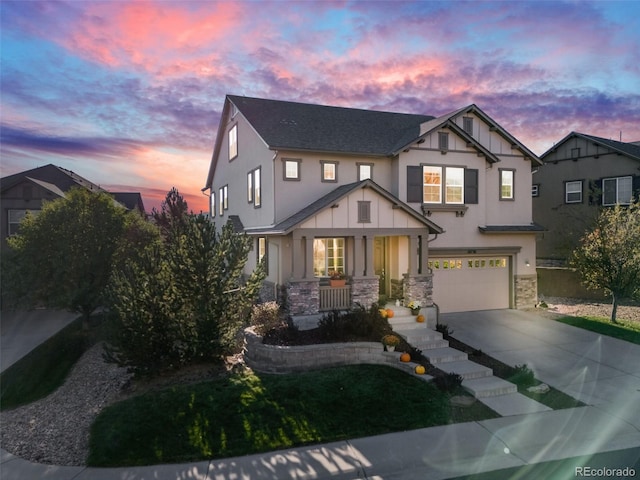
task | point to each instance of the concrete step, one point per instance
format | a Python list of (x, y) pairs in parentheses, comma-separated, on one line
[(422, 338), (513, 404), (489, 387), (467, 369), (438, 356)]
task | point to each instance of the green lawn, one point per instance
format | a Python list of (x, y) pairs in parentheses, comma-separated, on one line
[(43, 369), (251, 413), (623, 330)]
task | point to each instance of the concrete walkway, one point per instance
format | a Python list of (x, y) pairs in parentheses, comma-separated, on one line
[(601, 371)]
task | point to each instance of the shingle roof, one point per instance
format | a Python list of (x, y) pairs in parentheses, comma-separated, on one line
[(533, 227), (321, 128), (60, 177), (333, 196)]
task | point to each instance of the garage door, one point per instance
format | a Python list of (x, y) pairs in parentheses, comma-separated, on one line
[(462, 284)]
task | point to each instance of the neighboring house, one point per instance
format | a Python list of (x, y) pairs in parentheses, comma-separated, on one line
[(26, 191), (580, 174), (403, 205)]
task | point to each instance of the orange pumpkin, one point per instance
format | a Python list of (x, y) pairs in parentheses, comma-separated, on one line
[(420, 370), (420, 318), (405, 357), (390, 313)]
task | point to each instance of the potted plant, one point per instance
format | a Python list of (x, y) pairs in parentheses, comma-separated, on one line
[(415, 307), (391, 342), (336, 279)]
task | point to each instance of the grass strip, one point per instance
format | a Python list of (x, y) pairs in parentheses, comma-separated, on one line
[(628, 331), (253, 412), (43, 369)]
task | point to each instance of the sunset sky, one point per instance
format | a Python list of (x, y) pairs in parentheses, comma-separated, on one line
[(128, 94)]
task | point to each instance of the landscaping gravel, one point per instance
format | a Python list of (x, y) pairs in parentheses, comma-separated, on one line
[(55, 429)]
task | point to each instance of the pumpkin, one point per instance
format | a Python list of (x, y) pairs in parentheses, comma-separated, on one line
[(420, 318), (405, 357), (420, 370), (390, 313)]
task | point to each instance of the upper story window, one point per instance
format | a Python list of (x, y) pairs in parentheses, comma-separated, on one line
[(617, 190), (291, 169), (254, 187), (233, 142), (365, 171), (507, 178), (467, 125), (443, 141), (212, 199), (435, 177), (573, 191), (329, 171), (15, 217)]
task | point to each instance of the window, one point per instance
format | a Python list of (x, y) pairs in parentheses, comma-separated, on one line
[(506, 184), (365, 171), (573, 192), (467, 125), (16, 216), (223, 200), (233, 142), (329, 171), (262, 250), (328, 256), (213, 203), (617, 190), (254, 187), (454, 181), (364, 211), (432, 184), (443, 141), (291, 169), (535, 190)]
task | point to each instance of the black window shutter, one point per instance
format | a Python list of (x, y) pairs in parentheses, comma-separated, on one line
[(595, 192), (470, 185), (636, 188), (414, 184)]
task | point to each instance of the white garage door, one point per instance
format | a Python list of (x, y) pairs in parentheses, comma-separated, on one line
[(462, 284)]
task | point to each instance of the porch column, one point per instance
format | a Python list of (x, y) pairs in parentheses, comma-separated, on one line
[(358, 257), (413, 255), (297, 260), (308, 257), (424, 254), (368, 268)]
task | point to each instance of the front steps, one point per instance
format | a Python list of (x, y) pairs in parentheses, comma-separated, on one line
[(498, 394)]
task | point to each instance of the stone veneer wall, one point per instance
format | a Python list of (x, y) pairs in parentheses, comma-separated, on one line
[(278, 359), (526, 291), (418, 288), (303, 296), (364, 290)]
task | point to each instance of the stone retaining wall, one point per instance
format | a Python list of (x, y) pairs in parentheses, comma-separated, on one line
[(277, 359)]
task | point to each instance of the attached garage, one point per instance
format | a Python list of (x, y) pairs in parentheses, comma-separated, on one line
[(462, 284)]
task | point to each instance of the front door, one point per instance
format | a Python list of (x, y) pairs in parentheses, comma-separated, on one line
[(380, 262)]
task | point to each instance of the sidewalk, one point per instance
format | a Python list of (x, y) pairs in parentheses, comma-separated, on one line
[(603, 372)]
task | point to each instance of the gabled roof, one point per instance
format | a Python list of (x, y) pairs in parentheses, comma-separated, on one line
[(448, 121), (631, 150), (335, 195), (60, 177), (131, 200)]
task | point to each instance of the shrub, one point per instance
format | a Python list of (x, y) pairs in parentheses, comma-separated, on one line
[(523, 376), (451, 382), (265, 317), (358, 323)]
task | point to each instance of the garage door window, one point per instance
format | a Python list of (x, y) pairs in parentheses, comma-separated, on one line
[(459, 263)]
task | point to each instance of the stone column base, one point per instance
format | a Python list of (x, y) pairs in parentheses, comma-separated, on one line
[(304, 296), (418, 288), (526, 291), (365, 290)]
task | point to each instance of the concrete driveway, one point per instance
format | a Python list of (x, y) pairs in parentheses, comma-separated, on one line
[(22, 331), (600, 371)]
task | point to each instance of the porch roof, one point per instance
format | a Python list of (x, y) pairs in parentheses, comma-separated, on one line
[(531, 228), (290, 223)]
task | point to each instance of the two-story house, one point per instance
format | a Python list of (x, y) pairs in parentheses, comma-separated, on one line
[(403, 205), (27, 190), (580, 174)]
